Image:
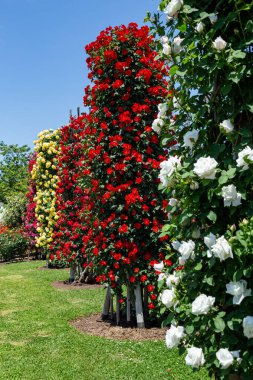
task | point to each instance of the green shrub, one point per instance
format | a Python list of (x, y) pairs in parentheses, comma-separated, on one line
[(14, 211), (13, 245)]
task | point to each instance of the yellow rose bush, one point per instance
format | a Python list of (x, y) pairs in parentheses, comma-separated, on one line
[(44, 174)]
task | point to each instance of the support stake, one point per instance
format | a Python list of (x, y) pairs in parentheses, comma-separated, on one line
[(106, 306), (72, 272), (111, 306), (138, 307), (128, 306), (117, 310)]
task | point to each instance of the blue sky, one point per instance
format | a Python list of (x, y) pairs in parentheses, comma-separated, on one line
[(42, 60)]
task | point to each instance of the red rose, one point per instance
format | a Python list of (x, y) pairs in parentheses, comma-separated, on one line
[(150, 288), (117, 84), (123, 228)]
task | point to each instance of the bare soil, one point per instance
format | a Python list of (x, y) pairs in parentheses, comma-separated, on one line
[(94, 325), (65, 285)]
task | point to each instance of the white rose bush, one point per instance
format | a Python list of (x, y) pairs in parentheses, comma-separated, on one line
[(206, 295)]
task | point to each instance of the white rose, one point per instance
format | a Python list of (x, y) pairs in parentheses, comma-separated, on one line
[(164, 40), (159, 266), (219, 44), (238, 290), (205, 167), (175, 102), (200, 27), (173, 202), (186, 250), (157, 125), (225, 357), (173, 7), (190, 138), (247, 324), (202, 304), (168, 297), (166, 49), (227, 126), (221, 249), (176, 45), (230, 195), (209, 241), (162, 108), (195, 357), (213, 18), (168, 168), (245, 153), (172, 280), (174, 336)]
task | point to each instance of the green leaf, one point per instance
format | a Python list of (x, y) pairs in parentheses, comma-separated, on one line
[(165, 228), (251, 359), (250, 107), (209, 281), (237, 54), (212, 216), (173, 70), (187, 9), (198, 266), (223, 179), (203, 15), (231, 172), (182, 28), (226, 88), (168, 320), (249, 26), (234, 77), (189, 329), (164, 141), (181, 73), (185, 175), (219, 323)]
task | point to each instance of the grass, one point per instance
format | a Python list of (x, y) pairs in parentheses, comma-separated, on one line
[(37, 342)]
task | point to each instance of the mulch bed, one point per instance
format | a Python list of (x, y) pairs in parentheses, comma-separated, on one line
[(65, 285), (94, 325)]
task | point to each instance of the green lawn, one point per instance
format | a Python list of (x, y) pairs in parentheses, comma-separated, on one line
[(37, 342)]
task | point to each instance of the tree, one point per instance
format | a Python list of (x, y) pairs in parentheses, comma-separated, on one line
[(13, 170)]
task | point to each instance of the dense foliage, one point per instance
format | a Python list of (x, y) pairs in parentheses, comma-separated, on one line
[(208, 179)]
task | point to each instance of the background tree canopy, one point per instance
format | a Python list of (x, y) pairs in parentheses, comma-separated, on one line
[(13, 170)]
